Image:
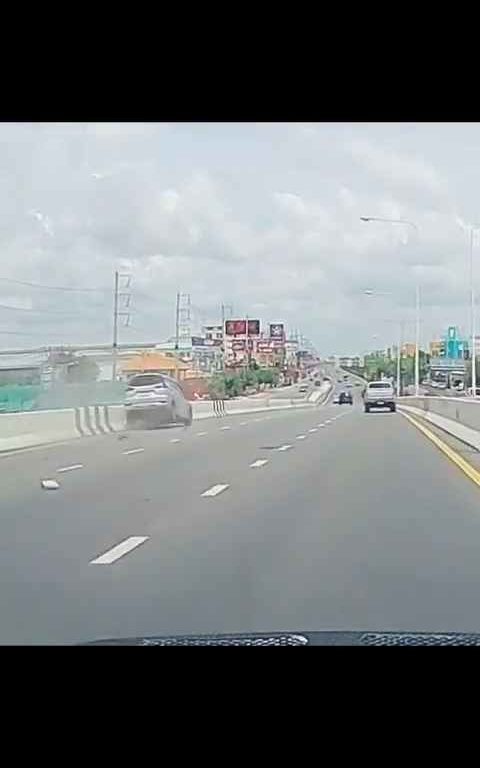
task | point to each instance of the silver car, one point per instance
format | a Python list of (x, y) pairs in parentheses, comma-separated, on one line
[(156, 400)]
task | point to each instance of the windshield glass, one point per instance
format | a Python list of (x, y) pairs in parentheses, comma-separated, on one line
[(145, 381), (305, 296)]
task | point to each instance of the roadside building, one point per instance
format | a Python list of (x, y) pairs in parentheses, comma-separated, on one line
[(155, 362)]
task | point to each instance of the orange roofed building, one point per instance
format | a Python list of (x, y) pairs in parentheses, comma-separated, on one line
[(155, 362)]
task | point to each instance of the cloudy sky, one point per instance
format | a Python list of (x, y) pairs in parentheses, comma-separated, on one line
[(264, 217)]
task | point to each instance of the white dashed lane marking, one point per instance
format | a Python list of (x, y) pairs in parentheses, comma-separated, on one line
[(313, 429), (215, 490), (70, 468), (284, 447), (201, 434), (300, 437), (133, 450), (243, 423), (222, 429), (175, 440), (259, 463), (120, 550)]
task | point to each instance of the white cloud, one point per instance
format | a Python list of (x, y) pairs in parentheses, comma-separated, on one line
[(396, 167), (265, 217)]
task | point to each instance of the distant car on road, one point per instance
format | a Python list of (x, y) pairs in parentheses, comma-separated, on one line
[(156, 400), (346, 397), (379, 394)]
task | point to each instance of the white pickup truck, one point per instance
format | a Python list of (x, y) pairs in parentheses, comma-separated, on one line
[(379, 394)]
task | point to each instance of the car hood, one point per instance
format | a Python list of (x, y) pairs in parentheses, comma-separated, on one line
[(362, 638)]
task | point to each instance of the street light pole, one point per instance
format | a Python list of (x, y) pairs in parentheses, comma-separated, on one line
[(417, 298), (472, 319), (399, 358), (417, 339)]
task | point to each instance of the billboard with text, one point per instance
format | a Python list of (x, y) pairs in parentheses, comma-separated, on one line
[(239, 327), (277, 331)]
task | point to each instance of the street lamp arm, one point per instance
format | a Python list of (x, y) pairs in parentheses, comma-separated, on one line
[(390, 221)]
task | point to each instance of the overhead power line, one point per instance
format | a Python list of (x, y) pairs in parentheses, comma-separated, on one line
[(42, 311), (53, 287)]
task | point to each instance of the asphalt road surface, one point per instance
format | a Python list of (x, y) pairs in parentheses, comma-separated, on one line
[(323, 518)]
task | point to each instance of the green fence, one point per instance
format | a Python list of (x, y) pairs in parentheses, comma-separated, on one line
[(16, 398)]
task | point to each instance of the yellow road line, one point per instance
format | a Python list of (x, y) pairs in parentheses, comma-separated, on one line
[(452, 455)]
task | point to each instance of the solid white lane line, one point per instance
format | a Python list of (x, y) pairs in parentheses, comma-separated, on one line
[(222, 429), (284, 447), (201, 434), (215, 490), (69, 469), (300, 437), (259, 463), (175, 440), (121, 549), (133, 450), (313, 429)]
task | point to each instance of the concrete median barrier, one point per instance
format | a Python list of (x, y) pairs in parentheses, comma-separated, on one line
[(458, 417), (25, 430), (36, 428), (22, 430), (463, 410)]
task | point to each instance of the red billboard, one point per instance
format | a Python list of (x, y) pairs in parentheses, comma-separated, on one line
[(239, 327)]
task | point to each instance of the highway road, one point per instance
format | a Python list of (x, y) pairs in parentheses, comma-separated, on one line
[(323, 518)]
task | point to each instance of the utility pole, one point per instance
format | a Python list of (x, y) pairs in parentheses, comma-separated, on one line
[(118, 313), (115, 329), (177, 321), (230, 310), (223, 338)]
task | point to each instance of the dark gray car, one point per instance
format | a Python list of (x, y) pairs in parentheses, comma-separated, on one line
[(155, 400)]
